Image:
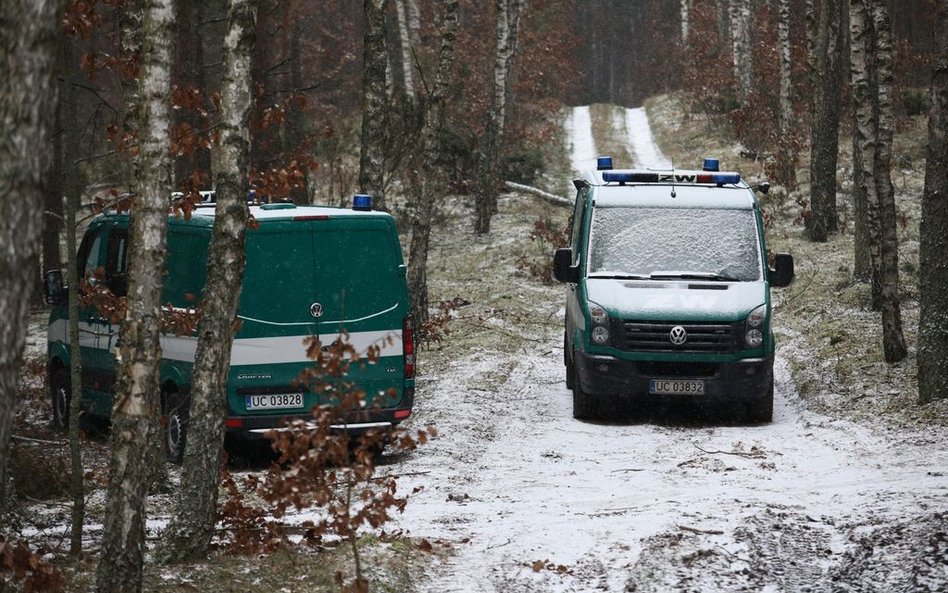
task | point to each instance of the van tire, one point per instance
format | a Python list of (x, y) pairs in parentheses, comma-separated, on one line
[(174, 425), (761, 411), (585, 406), (60, 395), (570, 380)]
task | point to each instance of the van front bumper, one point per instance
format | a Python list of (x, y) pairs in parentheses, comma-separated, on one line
[(609, 378)]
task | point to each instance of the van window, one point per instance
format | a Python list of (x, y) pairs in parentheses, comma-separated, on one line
[(642, 241)]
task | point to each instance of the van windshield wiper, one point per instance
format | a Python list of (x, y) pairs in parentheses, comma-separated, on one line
[(617, 276), (693, 276)]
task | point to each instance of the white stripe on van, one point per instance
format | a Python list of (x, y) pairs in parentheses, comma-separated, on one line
[(245, 351)]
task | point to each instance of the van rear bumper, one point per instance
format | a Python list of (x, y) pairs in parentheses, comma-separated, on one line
[(256, 427), (606, 377)]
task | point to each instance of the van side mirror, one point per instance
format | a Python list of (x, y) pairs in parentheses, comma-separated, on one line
[(782, 272), (54, 287), (563, 270)]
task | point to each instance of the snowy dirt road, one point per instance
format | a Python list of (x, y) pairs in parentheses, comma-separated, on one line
[(525, 498)]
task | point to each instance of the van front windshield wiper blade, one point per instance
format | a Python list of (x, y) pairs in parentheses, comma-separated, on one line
[(692, 276), (617, 276)]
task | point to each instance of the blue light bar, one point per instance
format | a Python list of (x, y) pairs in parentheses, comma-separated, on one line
[(362, 202), (603, 163), (711, 165), (671, 177)]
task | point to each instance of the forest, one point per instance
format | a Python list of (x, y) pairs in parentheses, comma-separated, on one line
[(453, 116)]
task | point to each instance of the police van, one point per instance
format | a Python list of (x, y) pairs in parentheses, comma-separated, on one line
[(311, 272), (668, 291)]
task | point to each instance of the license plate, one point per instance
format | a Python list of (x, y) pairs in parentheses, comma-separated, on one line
[(274, 401), (675, 387)]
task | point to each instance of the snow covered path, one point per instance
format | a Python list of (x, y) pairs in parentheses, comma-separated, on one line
[(527, 499)]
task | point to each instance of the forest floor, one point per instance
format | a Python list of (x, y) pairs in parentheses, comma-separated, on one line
[(847, 489)]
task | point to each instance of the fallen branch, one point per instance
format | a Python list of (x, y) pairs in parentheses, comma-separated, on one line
[(543, 195), (41, 441), (752, 455), (701, 531)]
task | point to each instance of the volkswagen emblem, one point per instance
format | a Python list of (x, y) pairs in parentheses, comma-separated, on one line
[(316, 310), (677, 335)]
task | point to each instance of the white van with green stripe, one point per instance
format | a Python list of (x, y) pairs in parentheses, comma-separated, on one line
[(312, 272)]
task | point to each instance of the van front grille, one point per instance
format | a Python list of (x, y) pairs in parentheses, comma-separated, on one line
[(654, 336)]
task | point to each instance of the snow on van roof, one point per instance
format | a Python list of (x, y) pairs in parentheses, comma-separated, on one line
[(674, 196), (288, 210)]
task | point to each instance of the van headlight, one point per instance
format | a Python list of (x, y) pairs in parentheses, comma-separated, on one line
[(600, 325), (754, 335)]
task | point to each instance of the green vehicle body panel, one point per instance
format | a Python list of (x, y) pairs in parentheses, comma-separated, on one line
[(350, 263)]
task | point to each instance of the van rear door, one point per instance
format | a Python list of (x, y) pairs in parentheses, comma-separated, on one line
[(361, 289)]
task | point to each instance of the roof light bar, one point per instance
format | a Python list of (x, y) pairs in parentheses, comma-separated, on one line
[(682, 177)]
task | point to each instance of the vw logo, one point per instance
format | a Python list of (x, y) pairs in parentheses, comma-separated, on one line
[(316, 310), (677, 335)]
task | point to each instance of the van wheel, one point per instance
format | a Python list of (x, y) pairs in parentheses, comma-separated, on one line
[(585, 406), (175, 425), (60, 396), (762, 410)]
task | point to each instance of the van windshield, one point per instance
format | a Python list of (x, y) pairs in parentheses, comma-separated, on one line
[(698, 243)]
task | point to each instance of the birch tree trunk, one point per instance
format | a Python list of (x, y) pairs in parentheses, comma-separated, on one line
[(188, 535), (134, 413), (872, 140), (508, 21), (824, 52), (430, 149), (886, 218), (28, 35), (685, 12), (786, 171), (374, 104), (740, 22), (404, 38), (933, 233)]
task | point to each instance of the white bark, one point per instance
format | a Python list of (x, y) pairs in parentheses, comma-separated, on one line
[(404, 38), (783, 35)]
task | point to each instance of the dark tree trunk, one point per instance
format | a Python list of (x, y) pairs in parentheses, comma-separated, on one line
[(374, 103), (825, 67), (188, 74), (28, 37), (135, 411), (426, 182), (872, 140), (488, 186), (933, 233), (188, 536)]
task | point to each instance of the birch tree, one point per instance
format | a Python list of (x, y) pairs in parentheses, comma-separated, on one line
[(685, 15), (28, 33), (740, 14), (374, 103), (423, 200), (933, 232), (508, 21), (134, 412), (872, 141), (786, 146), (195, 510), (404, 40), (824, 64)]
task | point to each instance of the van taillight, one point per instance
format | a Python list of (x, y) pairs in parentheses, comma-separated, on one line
[(408, 347)]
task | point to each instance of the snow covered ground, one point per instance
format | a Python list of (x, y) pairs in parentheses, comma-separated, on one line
[(529, 499)]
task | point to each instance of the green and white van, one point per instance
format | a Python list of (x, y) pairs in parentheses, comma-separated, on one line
[(668, 291), (328, 273)]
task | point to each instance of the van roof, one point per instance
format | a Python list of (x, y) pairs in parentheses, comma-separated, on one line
[(668, 195)]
